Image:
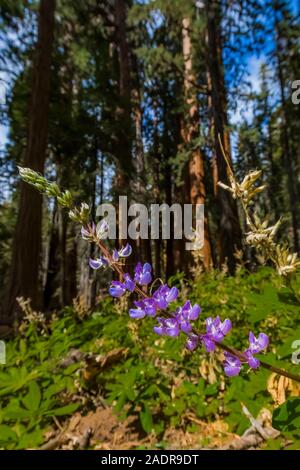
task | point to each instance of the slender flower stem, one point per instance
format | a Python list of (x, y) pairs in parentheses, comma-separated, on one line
[(234, 352)]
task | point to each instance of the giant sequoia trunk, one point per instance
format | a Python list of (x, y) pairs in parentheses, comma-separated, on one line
[(24, 276), (229, 236), (196, 171)]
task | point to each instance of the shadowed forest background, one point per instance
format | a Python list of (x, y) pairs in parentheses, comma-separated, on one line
[(124, 97)]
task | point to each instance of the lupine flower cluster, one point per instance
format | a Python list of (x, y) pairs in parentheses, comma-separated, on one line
[(174, 321)]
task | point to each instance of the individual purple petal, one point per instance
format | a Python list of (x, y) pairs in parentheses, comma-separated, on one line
[(192, 342), (208, 343), (263, 341), (102, 229), (232, 365), (85, 233), (226, 326), (98, 263), (145, 279), (138, 268), (143, 274), (115, 255), (171, 327), (147, 267), (252, 361), (159, 330), (137, 313), (172, 294), (128, 282), (194, 312), (150, 307), (125, 251), (185, 326), (161, 303), (117, 289)]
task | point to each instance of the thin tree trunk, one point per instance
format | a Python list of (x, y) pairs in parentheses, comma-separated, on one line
[(196, 169), (50, 299), (156, 192), (143, 247), (24, 277)]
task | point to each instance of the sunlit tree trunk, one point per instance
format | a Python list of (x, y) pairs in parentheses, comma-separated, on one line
[(196, 171)]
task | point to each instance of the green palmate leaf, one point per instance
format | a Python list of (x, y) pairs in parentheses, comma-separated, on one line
[(29, 440), (146, 419), (7, 434), (286, 417), (63, 410), (33, 398)]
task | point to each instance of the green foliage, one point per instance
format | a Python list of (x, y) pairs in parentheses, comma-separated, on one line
[(158, 380), (287, 416)]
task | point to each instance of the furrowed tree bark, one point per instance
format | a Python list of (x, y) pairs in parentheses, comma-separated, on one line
[(229, 239), (24, 276), (196, 171)]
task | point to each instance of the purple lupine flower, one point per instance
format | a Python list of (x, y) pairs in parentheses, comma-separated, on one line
[(215, 332), (256, 345), (192, 341), (128, 282), (181, 318), (252, 361), (186, 313), (117, 289), (138, 312), (142, 274), (189, 312), (167, 327), (115, 255), (87, 232), (148, 304), (98, 263), (232, 365), (145, 307), (165, 295), (209, 344), (125, 251), (102, 229)]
